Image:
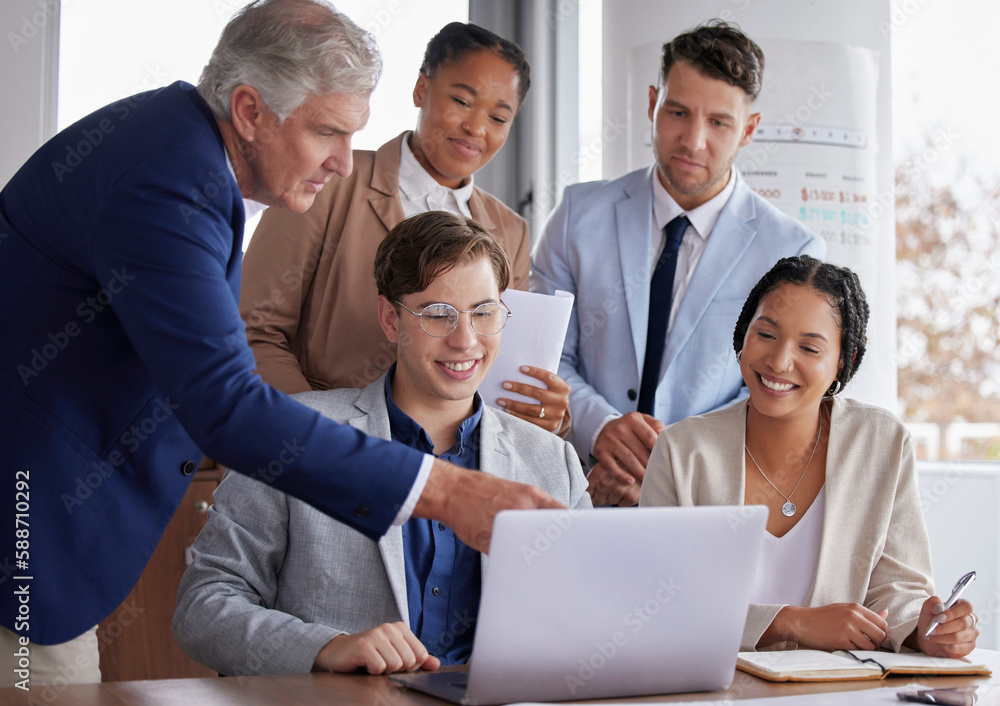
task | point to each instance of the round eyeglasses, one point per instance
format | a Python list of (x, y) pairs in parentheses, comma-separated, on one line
[(439, 320)]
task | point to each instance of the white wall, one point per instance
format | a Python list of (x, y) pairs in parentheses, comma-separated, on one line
[(961, 503), (29, 61)]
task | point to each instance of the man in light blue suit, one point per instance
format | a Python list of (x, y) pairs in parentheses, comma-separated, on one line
[(278, 587), (661, 260)]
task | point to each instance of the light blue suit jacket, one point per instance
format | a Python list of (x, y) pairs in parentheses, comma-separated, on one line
[(596, 245)]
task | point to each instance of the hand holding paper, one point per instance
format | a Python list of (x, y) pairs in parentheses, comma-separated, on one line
[(534, 338), (551, 402)]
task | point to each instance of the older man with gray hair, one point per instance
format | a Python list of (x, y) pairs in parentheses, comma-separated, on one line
[(124, 356)]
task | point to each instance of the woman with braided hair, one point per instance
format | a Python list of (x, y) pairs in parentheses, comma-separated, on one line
[(846, 562)]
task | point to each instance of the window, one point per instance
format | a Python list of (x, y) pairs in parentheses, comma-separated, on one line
[(110, 49), (947, 155)]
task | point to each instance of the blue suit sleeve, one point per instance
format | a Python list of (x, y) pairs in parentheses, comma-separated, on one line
[(172, 260)]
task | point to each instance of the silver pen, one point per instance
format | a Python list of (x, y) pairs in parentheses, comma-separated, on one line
[(956, 593)]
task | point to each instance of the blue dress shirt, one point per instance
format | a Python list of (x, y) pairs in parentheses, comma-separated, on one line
[(443, 578)]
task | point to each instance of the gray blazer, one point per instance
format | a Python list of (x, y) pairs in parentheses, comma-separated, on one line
[(273, 579), (874, 549)]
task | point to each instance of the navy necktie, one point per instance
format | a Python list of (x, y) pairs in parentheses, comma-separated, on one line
[(661, 292)]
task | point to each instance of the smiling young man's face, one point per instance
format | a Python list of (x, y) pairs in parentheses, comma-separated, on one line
[(438, 371)]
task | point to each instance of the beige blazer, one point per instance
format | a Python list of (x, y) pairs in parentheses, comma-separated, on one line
[(308, 296), (874, 549)]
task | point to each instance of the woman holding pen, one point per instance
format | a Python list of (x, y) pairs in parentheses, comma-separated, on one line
[(846, 562)]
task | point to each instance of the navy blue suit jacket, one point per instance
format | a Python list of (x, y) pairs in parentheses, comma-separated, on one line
[(124, 359)]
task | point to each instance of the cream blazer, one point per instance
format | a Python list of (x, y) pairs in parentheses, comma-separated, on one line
[(308, 296), (874, 549)]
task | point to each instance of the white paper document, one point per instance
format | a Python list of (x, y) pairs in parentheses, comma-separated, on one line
[(534, 336)]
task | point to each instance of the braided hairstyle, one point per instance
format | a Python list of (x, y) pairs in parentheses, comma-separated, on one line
[(841, 288)]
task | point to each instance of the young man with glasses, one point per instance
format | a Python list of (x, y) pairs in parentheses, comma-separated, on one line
[(277, 587)]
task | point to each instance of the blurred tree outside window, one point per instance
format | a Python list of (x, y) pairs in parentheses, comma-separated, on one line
[(948, 312), (947, 158)]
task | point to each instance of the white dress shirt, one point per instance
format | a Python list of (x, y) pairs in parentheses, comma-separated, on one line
[(702, 223), (703, 220), (419, 192)]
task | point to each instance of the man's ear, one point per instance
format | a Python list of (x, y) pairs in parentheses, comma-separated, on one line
[(388, 319), (247, 111), (653, 95), (751, 128)]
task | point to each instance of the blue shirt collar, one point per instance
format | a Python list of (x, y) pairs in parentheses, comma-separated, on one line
[(404, 429)]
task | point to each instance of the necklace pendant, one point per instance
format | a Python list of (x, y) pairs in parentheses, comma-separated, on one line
[(788, 509)]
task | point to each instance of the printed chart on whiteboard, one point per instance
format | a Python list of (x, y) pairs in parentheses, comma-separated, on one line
[(814, 152)]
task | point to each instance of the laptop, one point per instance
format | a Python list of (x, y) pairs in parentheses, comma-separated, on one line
[(586, 604)]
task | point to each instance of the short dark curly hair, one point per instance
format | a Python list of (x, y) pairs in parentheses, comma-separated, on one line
[(718, 50), (839, 285), (456, 40)]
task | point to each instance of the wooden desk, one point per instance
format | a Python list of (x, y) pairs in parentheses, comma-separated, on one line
[(346, 689)]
